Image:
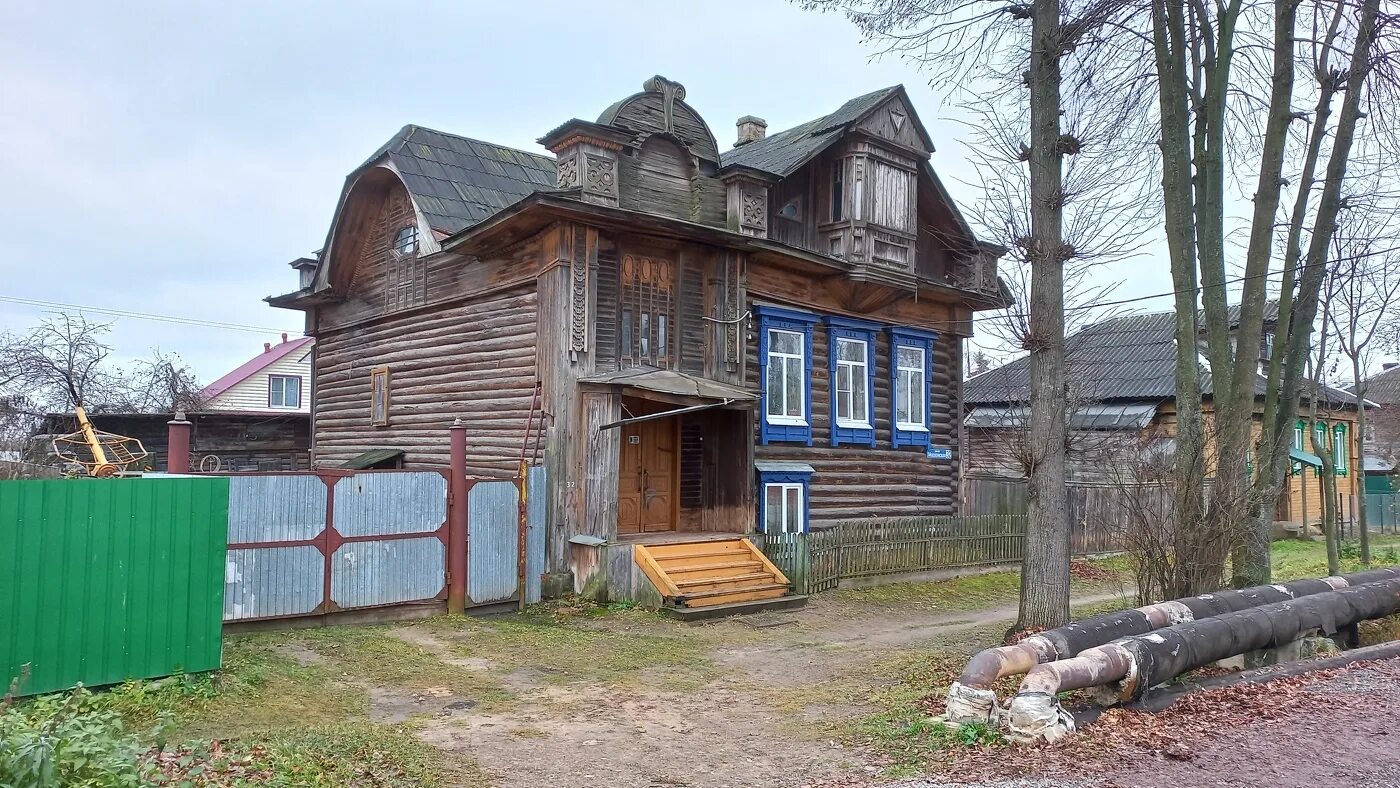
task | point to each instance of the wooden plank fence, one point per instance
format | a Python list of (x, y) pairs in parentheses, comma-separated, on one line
[(818, 561), (1097, 511)]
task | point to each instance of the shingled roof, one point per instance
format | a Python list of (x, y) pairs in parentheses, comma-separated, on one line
[(784, 152), (1122, 358), (457, 181), (1383, 388)]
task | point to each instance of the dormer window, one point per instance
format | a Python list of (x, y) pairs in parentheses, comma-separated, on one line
[(406, 241), (838, 183)]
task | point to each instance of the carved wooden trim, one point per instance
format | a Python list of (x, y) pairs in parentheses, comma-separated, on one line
[(567, 172), (730, 306), (601, 174), (754, 210), (578, 295)]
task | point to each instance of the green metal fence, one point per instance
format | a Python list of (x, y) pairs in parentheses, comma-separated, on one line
[(820, 560), (103, 580)]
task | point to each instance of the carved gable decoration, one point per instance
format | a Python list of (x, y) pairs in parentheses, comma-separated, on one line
[(661, 109), (894, 121)]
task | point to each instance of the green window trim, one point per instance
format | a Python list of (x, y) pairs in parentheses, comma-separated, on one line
[(1340, 449)]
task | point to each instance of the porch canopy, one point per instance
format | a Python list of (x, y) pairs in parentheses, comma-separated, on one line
[(689, 392), (1305, 458)]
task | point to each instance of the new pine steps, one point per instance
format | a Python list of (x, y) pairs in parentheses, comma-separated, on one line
[(721, 577)]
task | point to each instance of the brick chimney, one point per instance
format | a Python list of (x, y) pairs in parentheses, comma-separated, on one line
[(751, 129)]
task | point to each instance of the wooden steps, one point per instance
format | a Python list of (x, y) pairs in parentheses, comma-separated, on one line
[(712, 574)]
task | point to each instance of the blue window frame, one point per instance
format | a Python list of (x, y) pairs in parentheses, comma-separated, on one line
[(851, 360), (785, 369), (783, 505), (911, 368)]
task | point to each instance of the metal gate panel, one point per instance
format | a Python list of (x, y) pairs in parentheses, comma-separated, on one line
[(493, 541), (389, 503), (285, 508), (387, 572), (271, 582), (536, 513)]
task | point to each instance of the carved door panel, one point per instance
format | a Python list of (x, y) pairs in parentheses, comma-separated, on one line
[(647, 484)]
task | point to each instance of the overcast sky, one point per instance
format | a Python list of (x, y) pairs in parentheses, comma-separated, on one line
[(173, 158)]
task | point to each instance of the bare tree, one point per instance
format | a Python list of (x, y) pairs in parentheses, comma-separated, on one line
[(1045, 151), (161, 383), (60, 363), (65, 361), (1363, 289)]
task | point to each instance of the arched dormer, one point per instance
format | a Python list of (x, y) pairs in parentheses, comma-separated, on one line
[(378, 243), (661, 108)]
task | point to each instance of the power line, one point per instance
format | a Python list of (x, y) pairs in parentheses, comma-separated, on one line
[(189, 321)]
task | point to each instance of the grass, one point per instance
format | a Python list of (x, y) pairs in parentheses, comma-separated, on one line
[(330, 755), (977, 592), (1297, 558)]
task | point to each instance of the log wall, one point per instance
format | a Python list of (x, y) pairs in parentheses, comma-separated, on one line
[(852, 482), (473, 359)]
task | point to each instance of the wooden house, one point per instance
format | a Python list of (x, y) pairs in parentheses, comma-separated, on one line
[(1123, 410), (696, 344)]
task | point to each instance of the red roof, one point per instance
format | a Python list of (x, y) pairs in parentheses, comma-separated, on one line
[(254, 365)]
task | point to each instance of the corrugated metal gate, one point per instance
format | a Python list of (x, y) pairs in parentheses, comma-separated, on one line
[(103, 580), (304, 544)]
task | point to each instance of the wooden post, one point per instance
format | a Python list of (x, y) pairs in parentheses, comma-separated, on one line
[(457, 521), (178, 444)]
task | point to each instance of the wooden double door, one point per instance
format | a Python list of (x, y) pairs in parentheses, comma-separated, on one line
[(648, 477)]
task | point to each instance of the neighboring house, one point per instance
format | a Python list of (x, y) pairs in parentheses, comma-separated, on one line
[(219, 440), (765, 338), (1382, 440), (255, 418), (277, 380), (1122, 412)]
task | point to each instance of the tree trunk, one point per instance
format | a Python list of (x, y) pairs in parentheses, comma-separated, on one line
[(1302, 308), (1169, 44), (1045, 569), (1234, 490), (1363, 523)]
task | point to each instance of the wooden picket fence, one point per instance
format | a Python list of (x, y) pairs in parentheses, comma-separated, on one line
[(819, 560)]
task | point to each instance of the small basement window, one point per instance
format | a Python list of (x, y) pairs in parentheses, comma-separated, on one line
[(783, 505)]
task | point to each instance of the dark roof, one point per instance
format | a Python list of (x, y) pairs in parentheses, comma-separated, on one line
[(1383, 388), (1122, 358), (456, 181), (782, 153), (372, 459)]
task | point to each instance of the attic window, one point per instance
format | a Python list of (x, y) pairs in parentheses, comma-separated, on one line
[(792, 210), (406, 241)]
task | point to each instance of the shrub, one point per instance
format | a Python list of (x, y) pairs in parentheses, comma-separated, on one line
[(69, 740)]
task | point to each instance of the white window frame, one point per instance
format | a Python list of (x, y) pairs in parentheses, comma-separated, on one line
[(281, 382), (787, 517), (791, 362), (857, 373), (907, 392)]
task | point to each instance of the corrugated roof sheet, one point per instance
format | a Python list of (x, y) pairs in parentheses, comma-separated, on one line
[(1122, 358), (457, 181), (782, 153)]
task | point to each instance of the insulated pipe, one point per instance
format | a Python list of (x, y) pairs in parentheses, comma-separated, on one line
[(1135, 664), (970, 698)]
